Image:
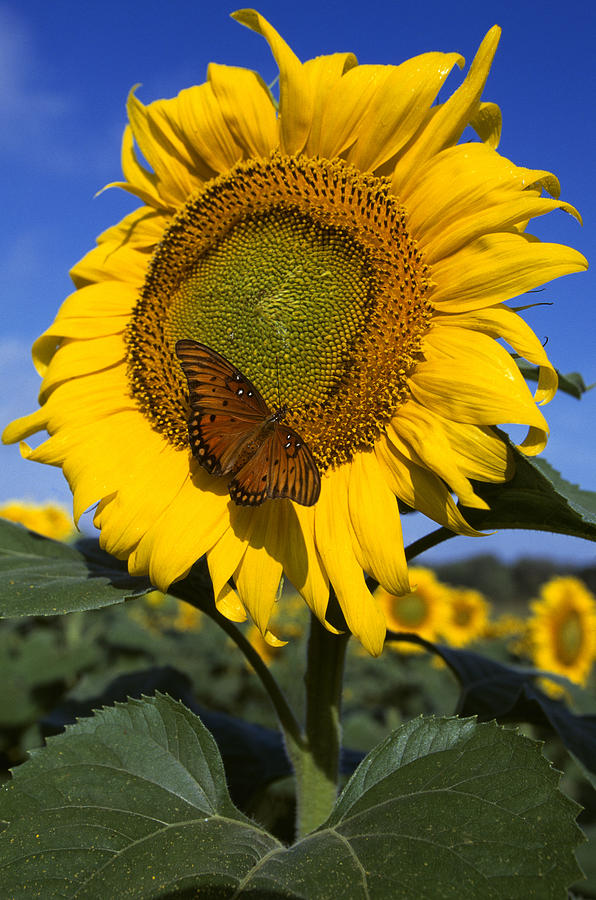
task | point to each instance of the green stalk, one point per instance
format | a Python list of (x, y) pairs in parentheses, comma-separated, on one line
[(289, 723), (314, 752), (317, 765)]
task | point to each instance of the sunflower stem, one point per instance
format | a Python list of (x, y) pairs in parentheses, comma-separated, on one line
[(317, 765), (428, 541), (287, 719)]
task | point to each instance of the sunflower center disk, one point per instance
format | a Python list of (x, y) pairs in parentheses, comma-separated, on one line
[(303, 275), (411, 611), (569, 638)]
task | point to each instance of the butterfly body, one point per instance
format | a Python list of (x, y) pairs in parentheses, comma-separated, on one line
[(232, 432)]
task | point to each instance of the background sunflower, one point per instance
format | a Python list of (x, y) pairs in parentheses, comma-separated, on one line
[(562, 629)]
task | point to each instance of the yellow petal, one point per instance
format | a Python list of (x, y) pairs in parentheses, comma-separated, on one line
[(83, 328), (25, 426), (399, 107), (473, 381), (481, 453), (334, 539), (324, 73), (175, 182), (376, 523), (139, 181), (108, 261), (197, 516), (223, 559), (142, 228), (247, 107), (259, 574), (132, 510), (469, 191), (75, 358), (110, 300), (448, 123), (346, 105), (201, 121), (487, 123), (420, 489), (93, 461), (301, 561), (497, 267), (229, 604), (295, 93), (500, 322), (419, 428)]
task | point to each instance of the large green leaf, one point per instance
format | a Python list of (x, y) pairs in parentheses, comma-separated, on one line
[(133, 803), (129, 803), (492, 690), (460, 810), (536, 498), (41, 577)]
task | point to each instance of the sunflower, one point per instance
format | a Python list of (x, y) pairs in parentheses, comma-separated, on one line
[(562, 629), (506, 625), (49, 519), (351, 258), (423, 611), (467, 618), (157, 611)]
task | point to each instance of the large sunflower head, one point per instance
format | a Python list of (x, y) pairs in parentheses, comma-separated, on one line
[(562, 629), (350, 257)]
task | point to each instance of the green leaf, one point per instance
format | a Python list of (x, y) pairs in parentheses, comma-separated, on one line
[(492, 690), (536, 498), (41, 577), (133, 803), (33, 659), (129, 803), (460, 810), (253, 756), (571, 383), (442, 808)]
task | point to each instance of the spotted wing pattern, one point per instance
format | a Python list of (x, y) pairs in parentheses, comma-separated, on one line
[(282, 466), (226, 409), (232, 432)]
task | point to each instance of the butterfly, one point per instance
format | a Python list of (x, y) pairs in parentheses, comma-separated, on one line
[(233, 432)]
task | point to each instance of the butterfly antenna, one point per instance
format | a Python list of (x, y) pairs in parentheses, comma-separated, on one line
[(278, 388)]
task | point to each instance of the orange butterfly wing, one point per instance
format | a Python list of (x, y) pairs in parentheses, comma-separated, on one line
[(232, 432), (225, 407), (282, 467)]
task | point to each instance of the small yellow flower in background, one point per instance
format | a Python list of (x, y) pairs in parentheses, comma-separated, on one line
[(267, 650), (424, 611), (347, 253), (562, 629), (158, 611), (49, 519), (188, 617), (505, 626), (467, 618)]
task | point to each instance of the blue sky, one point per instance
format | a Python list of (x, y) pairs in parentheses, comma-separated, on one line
[(66, 68)]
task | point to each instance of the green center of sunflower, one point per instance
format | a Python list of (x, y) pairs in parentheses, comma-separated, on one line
[(569, 638), (411, 611), (462, 615), (302, 274)]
